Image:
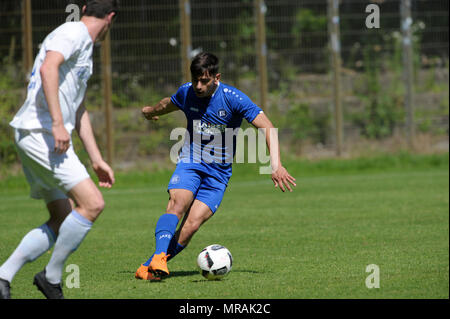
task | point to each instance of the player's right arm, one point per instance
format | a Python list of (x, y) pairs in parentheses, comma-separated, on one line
[(164, 106), (50, 83)]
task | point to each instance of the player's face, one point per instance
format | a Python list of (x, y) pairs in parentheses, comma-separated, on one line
[(205, 85)]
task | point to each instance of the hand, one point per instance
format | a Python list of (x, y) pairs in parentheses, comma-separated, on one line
[(148, 112), (62, 138), (105, 174), (282, 178)]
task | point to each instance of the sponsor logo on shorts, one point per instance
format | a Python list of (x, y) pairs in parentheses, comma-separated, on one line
[(175, 179)]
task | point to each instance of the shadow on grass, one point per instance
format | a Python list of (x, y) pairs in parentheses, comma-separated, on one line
[(224, 279), (172, 273), (188, 273), (248, 271), (184, 273), (196, 272)]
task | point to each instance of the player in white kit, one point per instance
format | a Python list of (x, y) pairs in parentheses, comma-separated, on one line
[(43, 127)]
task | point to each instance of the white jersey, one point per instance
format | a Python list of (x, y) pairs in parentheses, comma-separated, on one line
[(73, 41)]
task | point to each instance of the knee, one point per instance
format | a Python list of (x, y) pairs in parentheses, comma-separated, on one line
[(95, 206), (177, 207), (187, 232), (98, 205), (191, 226)]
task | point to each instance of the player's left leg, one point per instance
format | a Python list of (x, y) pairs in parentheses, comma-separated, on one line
[(73, 230), (89, 204)]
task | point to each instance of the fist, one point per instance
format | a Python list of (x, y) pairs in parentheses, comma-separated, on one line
[(148, 113)]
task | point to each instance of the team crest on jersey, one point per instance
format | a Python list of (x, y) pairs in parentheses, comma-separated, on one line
[(175, 179), (222, 113)]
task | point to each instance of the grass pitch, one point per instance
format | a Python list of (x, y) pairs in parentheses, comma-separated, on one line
[(391, 211)]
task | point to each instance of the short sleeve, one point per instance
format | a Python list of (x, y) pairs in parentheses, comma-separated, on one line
[(64, 42), (246, 107), (179, 98)]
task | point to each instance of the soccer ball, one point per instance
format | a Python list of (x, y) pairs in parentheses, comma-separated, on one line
[(215, 261)]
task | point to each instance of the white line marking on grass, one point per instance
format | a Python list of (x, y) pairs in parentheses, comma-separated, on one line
[(302, 181)]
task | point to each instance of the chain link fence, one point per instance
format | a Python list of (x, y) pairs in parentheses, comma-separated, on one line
[(146, 46)]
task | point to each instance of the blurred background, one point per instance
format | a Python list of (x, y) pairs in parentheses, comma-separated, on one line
[(332, 85)]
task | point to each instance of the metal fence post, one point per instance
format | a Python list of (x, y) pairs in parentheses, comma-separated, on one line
[(261, 51), (27, 38), (186, 38), (333, 30), (107, 96), (408, 74)]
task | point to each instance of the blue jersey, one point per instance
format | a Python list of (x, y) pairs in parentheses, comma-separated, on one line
[(210, 143)]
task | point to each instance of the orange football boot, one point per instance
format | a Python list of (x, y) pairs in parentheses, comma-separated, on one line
[(143, 273), (158, 265)]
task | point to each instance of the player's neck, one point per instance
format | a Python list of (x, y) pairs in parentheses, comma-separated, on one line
[(213, 92), (94, 26)]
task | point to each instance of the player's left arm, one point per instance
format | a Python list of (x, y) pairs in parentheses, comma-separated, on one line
[(84, 129), (280, 176)]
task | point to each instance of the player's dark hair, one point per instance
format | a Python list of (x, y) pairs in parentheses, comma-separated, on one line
[(204, 62), (101, 8)]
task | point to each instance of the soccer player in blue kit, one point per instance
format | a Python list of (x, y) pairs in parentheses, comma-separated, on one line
[(204, 164)]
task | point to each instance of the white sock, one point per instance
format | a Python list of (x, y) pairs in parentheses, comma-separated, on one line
[(33, 245), (71, 233)]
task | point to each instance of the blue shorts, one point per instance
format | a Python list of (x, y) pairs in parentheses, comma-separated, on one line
[(205, 188)]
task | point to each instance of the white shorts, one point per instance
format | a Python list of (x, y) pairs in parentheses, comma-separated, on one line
[(49, 174)]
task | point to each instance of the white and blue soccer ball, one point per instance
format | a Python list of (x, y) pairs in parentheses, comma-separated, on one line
[(215, 262)]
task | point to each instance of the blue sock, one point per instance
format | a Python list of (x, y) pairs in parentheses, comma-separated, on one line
[(147, 263), (174, 249), (164, 231)]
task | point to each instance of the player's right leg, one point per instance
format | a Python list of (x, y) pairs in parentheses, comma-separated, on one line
[(38, 240), (173, 249), (35, 243), (182, 188), (179, 202), (156, 267), (59, 209)]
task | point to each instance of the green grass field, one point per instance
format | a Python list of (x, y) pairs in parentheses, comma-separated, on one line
[(392, 211)]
